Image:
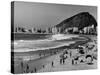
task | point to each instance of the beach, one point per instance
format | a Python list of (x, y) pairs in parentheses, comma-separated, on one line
[(39, 59)]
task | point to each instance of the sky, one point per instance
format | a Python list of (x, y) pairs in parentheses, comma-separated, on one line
[(44, 15)]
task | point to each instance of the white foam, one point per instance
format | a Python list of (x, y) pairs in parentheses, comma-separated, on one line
[(35, 49), (62, 36), (25, 45)]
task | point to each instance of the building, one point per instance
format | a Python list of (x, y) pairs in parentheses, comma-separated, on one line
[(33, 30), (54, 30), (89, 30), (66, 30), (85, 29), (75, 29)]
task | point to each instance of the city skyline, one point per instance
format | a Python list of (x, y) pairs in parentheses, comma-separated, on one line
[(41, 15)]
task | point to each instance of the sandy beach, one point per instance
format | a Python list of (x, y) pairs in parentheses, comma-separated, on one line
[(41, 60)]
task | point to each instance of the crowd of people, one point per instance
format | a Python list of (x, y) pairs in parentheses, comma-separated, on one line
[(82, 54)]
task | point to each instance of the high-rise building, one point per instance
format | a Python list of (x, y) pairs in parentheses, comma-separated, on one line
[(33, 30), (54, 30), (75, 29)]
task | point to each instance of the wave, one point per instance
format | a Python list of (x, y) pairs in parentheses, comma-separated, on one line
[(36, 49), (50, 42), (62, 36)]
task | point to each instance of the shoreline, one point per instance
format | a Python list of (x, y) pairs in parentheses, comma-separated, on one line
[(44, 60), (61, 42), (28, 49)]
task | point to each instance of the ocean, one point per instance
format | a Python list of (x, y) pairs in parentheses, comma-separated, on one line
[(33, 42)]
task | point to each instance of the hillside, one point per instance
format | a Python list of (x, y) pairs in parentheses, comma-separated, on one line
[(79, 20)]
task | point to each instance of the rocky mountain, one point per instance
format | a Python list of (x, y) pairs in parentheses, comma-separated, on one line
[(79, 20)]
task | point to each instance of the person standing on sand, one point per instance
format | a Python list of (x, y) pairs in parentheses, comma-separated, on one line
[(52, 64), (22, 66), (72, 61), (70, 54), (27, 69), (60, 61), (35, 70), (43, 66), (63, 60)]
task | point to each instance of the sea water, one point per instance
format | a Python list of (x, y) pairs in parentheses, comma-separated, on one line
[(42, 44)]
